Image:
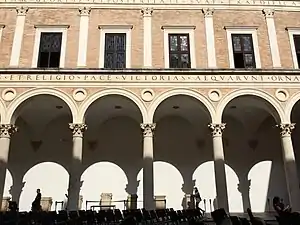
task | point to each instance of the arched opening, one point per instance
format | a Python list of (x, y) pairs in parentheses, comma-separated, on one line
[(50, 177), (167, 182), (249, 135), (204, 177), (114, 135), (259, 176), (104, 177), (7, 184), (43, 134), (182, 130)]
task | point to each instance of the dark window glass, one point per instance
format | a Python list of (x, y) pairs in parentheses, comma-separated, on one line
[(179, 51), (243, 52), (115, 51), (297, 48), (50, 49)]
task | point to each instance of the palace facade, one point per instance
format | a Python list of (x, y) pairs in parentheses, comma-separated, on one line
[(153, 98)]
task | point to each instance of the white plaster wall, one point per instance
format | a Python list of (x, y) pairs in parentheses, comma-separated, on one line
[(176, 147)]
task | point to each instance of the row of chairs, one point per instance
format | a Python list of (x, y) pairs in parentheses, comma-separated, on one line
[(104, 217)]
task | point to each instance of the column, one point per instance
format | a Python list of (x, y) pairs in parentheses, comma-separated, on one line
[(83, 36), (6, 131), (76, 166), (18, 36), (148, 185), (147, 15), (210, 38), (290, 166), (269, 14), (219, 164)]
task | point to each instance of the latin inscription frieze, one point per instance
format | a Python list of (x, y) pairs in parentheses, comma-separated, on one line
[(151, 78)]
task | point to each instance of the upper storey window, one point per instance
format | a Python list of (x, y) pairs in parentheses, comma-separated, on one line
[(50, 50), (294, 36), (243, 52), (179, 51), (179, 47), (50, 46), (297, 47), (115, 46), (115, 51)]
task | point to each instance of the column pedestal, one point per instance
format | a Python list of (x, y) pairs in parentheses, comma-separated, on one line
[(148, 185), (219, 164)]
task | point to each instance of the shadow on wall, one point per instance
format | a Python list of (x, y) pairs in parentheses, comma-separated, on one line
[(106, 177)]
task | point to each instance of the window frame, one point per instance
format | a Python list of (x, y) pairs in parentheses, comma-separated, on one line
[(190, 30), (291, 32), (178, 52), (49, 29), (114, 51), (115, 29), (243, 30)]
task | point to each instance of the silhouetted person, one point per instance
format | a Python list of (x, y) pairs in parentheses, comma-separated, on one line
[(255, 220), (197, 197), (286, 216), (279, 206), (36, 204)]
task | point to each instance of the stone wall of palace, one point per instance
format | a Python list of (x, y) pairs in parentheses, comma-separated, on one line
[(221, 18)]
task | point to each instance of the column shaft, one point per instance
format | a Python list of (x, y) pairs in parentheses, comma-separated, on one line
[(6, 131), (18, 36), (210, 38), (269, 14), (219, 164), (75, 170), (83, 36), (290, 166), (147, 14), (148, 184)]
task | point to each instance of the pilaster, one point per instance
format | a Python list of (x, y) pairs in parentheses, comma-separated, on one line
[(269, 15), (147, 18), (84, 13), (18, 36)]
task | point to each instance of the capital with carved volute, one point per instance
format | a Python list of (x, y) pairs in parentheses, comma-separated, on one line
[(22, 11), (148, 129), (269, 13), (217, 129), (7, 130), (208, 12), (286, 129), (78, 129), (147, 12), (84, 11)]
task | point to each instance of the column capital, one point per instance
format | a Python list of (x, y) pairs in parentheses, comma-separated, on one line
[(286, 129), (148, 129), (147, 12), (22, 11), (217, 129), (269, 13), (7, 130), (208, 12), (84, 11), (78, 129)]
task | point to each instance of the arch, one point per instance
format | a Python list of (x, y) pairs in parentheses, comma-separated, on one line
[(290, 106), (11, 111), (259, 175), (168, 182), (7, 183), (242, 92), (104, 177), (204, 176), (43, 175), (2, 111), (155, 104), (89, 101)]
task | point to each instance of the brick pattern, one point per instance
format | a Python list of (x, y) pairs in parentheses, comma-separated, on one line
[(160, 18)]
